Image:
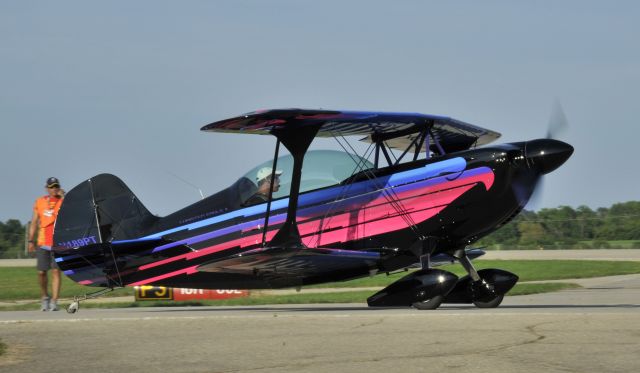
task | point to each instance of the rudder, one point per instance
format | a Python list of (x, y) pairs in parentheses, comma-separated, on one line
[(96, 212)]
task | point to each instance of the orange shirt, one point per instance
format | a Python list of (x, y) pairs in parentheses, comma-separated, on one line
[(47, 209)]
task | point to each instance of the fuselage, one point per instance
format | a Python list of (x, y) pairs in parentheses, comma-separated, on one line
[(455, 198)]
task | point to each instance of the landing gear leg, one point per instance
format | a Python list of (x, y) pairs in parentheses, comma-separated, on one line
[(483, 293), (75, 305), (461, 255)]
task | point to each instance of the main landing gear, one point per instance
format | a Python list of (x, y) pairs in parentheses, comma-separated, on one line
[(427, 288)]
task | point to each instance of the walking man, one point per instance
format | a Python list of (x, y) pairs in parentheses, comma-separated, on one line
[(45, 212)]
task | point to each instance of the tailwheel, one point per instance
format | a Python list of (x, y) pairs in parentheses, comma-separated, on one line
[(73, 307), (495, 302), (429, 304)]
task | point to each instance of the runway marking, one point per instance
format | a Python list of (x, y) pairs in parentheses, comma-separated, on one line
[(314, 315)]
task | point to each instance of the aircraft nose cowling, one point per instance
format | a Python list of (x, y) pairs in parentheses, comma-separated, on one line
[(546, 155)]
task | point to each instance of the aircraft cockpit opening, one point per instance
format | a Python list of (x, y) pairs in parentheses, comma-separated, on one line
[(322, 168)]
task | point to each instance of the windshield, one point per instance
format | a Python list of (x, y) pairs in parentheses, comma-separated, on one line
[(321, 168)]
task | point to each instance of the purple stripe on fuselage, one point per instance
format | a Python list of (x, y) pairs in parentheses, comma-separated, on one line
[(333, 200), (68, 257), (471, 172), (353, 253), (346, 203), (276, 219), (354, 202), (452, 165)]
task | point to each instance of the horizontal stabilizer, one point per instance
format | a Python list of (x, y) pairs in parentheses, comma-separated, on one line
[(102, 264)]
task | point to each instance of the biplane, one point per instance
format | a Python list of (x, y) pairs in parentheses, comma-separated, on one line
[(424, 190)]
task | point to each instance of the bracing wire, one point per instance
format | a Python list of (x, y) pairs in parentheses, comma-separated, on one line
[(388, 193)]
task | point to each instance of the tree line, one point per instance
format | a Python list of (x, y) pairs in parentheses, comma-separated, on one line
[(12, 237), (551, 228), (564, 227)]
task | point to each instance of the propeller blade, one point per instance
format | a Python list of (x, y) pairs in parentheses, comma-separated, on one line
[(535, 201), (528, 197), (558, 122)]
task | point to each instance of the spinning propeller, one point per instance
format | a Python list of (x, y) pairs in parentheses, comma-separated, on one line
[(545, 155)]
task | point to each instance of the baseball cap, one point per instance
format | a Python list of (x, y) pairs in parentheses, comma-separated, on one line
[(266, 171), (52, 182)]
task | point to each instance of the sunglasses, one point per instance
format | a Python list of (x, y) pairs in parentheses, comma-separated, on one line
[(54, 186)]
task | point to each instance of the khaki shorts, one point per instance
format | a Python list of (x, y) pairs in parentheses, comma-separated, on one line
[(45, 259)]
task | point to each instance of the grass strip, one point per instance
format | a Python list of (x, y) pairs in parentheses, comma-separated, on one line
[(3, 347), (527, 270), (18, 283), (527, 289), (22, 283), (359, 296)]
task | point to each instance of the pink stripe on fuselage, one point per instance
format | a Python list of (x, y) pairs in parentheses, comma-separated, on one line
[(240, 242), (372, 218), (379, 219), (381, 211), (185, 271)]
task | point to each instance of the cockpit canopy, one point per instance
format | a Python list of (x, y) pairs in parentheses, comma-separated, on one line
[(321, 168)]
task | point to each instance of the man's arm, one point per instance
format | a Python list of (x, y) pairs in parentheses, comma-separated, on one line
[(32, 231)]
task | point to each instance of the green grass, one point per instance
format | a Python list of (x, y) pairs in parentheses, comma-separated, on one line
[(538, 270), (526, 289), (574, 245), (359, 296), (21, 283), (618, 244), (3, 348), (527, 270)]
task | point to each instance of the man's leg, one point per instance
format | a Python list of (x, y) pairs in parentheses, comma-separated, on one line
[(43, 258), (42, 280), (55, 284), (43, 263)]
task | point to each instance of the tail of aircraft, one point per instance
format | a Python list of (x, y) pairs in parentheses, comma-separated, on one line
[(101, 209), (96, 212)]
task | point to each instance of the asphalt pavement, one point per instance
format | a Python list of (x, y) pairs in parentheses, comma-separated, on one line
[(594, 329)]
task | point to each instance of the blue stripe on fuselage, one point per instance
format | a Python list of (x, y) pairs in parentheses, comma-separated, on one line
[(452, 165)]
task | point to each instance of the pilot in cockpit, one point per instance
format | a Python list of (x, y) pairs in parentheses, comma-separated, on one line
[(263, 179)]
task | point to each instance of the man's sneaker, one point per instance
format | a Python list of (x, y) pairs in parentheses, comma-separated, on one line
[(45, 304), (53, 305)]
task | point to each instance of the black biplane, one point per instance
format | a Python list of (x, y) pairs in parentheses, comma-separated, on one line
[(339, 217)]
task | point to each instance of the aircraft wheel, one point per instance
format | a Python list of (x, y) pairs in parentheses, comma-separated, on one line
[(73, 307), (429, 304), (495, 302)]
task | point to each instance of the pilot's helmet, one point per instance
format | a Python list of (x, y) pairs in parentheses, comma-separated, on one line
[(264, 172)]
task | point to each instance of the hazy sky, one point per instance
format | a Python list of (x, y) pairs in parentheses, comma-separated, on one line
[(123, 87)]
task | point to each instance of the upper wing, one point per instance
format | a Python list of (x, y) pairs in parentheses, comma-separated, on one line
[(452, 134)]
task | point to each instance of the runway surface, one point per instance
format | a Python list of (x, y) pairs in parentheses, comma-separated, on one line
[(596, 329)]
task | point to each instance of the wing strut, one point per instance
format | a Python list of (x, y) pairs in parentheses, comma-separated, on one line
[(273, 176), (423, 131), (297, 142)]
